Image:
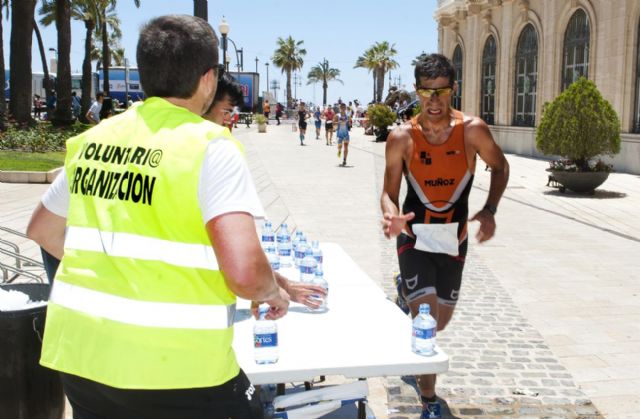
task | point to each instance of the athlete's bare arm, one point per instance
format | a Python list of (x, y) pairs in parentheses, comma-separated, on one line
[(398, 144), (479, 138)]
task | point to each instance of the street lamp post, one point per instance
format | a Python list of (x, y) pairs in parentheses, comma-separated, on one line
[(257, 64), (224, 31), (267, 65)]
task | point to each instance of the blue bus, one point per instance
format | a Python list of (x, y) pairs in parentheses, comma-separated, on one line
[(117, 86)]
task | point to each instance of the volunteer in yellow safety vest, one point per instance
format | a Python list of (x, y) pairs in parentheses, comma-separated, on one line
[(159, 209)]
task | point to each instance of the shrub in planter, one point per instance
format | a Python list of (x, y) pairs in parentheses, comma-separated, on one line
[(579, 125), (381, 116), (261, 120)]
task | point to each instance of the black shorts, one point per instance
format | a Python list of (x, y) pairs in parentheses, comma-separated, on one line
[(302, 125), (236, 399), (328, 125), (425, 273)]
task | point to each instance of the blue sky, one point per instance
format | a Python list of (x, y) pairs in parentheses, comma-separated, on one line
[(339, 31)]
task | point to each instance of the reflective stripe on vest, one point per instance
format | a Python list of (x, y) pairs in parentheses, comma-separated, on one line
[(140, 247), (142, 313)]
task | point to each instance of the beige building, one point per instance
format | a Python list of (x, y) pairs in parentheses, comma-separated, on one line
[(512, 56)]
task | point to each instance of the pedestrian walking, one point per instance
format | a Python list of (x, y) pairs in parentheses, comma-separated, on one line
[(93, 114), (436, 151), (266, 109), (328, 124), (141, 325), (317, 120), (302, 121), (342, 121)]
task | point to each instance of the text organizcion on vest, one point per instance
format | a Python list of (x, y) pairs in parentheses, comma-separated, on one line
[(123, 185)]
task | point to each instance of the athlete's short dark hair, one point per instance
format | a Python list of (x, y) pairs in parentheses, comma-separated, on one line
[(227, 85), (173, 53), (433, 66)]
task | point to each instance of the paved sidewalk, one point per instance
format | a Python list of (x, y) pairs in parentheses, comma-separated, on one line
[(548, 320)]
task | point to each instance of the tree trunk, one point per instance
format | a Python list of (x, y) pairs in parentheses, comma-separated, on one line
[(289, 88), (48, 85), (325, 86), (3, 102), (106, 59), (22, 13), (85, 101), (63, 114), (374, 86), (380, 84)]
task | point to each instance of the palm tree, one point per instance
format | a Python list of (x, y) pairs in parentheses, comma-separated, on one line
[(106, 6), (323, 73), (116, 50), (420, 57), (288, 57), (22, 14), (86, 11), (379, 59), (367, 60), (3, 104)]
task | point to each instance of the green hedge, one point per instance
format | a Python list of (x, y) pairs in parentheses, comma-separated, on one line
[(41, 138)]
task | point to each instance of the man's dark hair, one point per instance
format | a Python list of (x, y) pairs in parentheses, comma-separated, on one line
[(173, 53), (227, 85), (99, 95), (433, 66)]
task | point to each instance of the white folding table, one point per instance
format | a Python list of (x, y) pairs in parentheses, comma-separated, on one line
[(363, 333)]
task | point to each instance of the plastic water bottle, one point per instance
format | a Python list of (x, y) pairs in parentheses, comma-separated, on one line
[(268, 238), (300, 251), (319, 280), (265, 338), (317, 252), (424, 332), (308, 265), (284, 246), (274, 260)]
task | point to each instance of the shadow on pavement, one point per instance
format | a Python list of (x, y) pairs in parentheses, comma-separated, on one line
[(598, 194)]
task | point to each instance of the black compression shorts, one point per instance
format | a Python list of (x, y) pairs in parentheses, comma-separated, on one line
[(425, 273)]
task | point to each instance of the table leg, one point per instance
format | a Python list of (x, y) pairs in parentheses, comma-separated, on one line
[(280, 389)]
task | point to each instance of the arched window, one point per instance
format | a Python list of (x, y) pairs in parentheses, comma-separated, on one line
[(488, 88), (526, 78), (636, 119), (575, 57), (456, 99)]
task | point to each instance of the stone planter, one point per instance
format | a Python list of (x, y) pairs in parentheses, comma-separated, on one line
[(581, 182), (262, 127)]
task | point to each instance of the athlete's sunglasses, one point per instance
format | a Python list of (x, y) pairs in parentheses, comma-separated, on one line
[(428, 93)]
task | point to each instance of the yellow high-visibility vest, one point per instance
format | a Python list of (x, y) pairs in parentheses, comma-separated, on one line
[(138, 300)]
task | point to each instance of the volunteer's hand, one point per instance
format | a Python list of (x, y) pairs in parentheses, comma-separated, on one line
[(487, 225), (278, 306), (301, 293), (392, 225)]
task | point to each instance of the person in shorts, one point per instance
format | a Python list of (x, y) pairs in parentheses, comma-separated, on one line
[(436, 152), (328, 124), (317, 120), (302, 121), (343, 121)]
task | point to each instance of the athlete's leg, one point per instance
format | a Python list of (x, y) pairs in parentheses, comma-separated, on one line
[(346, 150)]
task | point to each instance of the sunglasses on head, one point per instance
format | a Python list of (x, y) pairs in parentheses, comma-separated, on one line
[(428, 93)]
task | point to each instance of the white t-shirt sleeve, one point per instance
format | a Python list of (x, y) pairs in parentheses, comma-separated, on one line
[(56, 198), (225, 183)]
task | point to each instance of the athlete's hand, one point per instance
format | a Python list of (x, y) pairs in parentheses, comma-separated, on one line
[(487, 225), (392, 225)]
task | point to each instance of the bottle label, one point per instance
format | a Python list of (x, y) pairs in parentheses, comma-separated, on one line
[(268, 239), (299, 255), (265, 340), (318, 258), (284, 251), (307, 269), (283, 239), (424, 333)]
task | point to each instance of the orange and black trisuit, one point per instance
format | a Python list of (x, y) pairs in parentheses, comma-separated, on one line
[(438, 186)]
